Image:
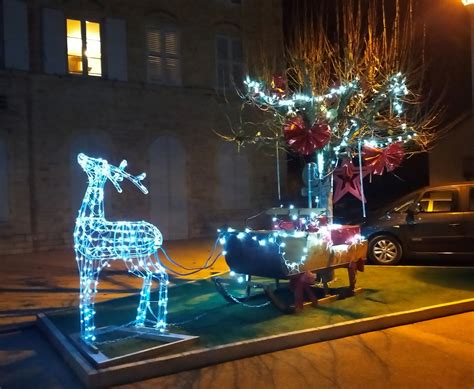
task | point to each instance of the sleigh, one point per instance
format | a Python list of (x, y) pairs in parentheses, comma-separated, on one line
[(305, 252)]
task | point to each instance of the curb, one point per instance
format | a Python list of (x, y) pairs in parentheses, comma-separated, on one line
[(195, 359)]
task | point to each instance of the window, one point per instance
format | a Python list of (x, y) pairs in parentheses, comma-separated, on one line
[(4, 209), (404, 203), (229, 62), (438, 201), (84, 55), (234, 185), (163, 55)]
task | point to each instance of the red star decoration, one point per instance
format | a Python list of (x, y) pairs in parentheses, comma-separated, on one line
[(347, 180)]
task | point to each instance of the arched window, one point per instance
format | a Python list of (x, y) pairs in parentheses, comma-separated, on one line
[(233, 177), (168, 187), (4, 206)]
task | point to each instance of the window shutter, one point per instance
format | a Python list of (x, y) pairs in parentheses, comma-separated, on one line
[(15, 29), (155, 69), (116, 46), (54, 42), (172, 70), (155, 63), (3, 182), (172, 56), (171, 43), (154, 41)]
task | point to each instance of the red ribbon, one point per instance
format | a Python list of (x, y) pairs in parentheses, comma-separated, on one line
[(303, 139), (379, 159)]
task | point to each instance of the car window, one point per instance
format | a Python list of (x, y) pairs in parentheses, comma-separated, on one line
[(404, 204), (438, 201), (424, 205), (471, 199)]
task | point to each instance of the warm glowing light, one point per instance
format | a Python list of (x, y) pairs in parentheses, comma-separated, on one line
[(74, 46), (468, 2), (97, 241), (83, 46)]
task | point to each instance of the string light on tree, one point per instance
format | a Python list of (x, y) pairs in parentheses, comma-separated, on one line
[(359, 85)]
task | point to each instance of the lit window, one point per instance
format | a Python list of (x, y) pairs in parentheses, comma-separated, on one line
[(84, 48), (163, 56), (229, 62)]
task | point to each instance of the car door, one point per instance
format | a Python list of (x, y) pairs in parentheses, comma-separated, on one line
[(438, 225)]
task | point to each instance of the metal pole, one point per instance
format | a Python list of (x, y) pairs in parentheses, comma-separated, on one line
[(361, 180), (310, 190), (278, 170)]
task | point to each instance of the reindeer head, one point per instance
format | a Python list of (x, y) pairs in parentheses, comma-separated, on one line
[(98, 170)]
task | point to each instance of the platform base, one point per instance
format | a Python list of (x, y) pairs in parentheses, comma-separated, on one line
[(161, 342)]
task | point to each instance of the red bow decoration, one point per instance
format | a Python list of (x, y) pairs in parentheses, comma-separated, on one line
[(305, 140), (377, 159), (278, 85)]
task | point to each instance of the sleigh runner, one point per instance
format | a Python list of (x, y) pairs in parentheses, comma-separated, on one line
[(303, 251)]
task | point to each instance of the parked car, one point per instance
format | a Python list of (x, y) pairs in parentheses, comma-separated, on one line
[(433, 221)]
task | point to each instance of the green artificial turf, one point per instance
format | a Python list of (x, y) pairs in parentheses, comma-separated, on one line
[(196, 308)]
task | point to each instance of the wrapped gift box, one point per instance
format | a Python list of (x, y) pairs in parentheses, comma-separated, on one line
[(344, 234)]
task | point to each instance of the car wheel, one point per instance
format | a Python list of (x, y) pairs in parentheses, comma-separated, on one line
[(384, 250)]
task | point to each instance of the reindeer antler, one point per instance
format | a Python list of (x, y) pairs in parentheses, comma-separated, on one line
[(117, 174)]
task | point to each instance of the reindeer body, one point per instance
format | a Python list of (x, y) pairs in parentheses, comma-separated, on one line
[(119, 239), (98, 241)]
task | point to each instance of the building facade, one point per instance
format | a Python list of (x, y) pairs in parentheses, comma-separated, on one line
[(147, 81), (457, 147)]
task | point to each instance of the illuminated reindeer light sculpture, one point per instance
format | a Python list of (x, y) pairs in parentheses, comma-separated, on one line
[(98, 241)]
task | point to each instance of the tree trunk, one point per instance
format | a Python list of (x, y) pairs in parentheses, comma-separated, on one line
[(324, 193)]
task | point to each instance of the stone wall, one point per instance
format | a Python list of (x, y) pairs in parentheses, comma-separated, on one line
[(457, 147), (46, 114)]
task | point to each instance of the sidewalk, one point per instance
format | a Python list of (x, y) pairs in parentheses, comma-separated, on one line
[(33, 283), (435, 353)]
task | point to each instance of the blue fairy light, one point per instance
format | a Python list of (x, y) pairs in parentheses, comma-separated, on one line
[(98, 241)]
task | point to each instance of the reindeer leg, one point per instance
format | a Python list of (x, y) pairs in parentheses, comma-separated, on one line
[(144, 300), (88, 290), (162, 301)]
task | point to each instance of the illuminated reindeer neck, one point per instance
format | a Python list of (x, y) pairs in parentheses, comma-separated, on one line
[(98, 171)]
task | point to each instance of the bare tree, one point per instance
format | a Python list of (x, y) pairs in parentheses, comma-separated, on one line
[(354, 86)]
